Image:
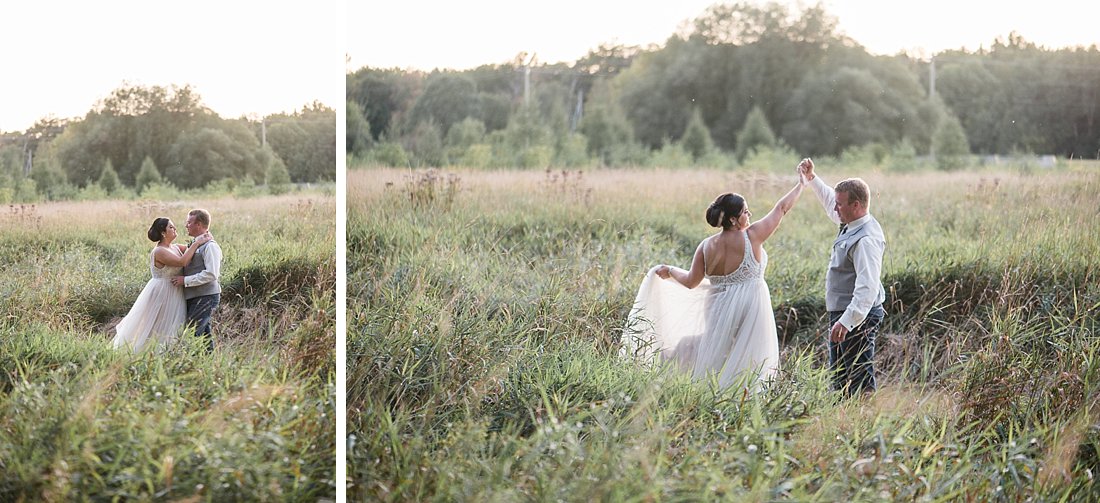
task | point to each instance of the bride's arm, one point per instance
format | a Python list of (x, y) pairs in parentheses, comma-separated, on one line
[(763, 229), (170, 259), (692, 278)]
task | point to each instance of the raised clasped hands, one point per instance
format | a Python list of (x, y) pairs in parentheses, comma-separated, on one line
[(805, 170)]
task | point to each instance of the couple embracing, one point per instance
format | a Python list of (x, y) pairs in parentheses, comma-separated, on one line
[(716, 318), (184, 288)]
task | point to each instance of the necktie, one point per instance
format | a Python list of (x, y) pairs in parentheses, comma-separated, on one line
[(843, 229)]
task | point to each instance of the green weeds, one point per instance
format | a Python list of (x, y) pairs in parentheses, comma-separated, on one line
[(254, 421), (483, 342)]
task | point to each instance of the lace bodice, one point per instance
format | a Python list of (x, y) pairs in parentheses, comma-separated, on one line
[(166, 271), (749, 269)]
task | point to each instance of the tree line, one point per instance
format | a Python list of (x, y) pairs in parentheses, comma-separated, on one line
[(739, 79), (142, 140)]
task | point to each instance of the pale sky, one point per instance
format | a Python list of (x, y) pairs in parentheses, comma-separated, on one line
[(427, 34), (243, 57)]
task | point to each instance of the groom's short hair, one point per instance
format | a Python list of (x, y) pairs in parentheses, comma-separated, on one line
[(201, 216), (857, 190)]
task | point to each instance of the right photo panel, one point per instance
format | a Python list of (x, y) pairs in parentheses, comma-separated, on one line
[(716, 251)]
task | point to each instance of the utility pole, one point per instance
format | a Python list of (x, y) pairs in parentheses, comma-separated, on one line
[(527, 85), (932, 78), (578, 111), (527, 78), (263, 132), (28, 160), (931, 96)]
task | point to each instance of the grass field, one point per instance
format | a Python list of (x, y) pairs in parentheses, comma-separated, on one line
[(485, 312), (252, 421)]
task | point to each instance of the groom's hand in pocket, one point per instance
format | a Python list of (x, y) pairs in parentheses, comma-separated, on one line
[(839, 332)]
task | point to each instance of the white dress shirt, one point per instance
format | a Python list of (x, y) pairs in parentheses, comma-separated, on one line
[(867, 258)]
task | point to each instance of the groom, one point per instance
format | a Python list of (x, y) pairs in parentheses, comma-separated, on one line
[(853, 285), (200, 278)]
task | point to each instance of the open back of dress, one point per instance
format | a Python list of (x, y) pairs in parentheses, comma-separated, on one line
[(724, 326)]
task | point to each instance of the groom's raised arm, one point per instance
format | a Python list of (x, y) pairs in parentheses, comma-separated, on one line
[(827, 197), (825, 194)]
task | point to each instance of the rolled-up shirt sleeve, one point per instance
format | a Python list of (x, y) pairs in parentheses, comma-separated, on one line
[(827, 197), (212, 259), (867, 259)]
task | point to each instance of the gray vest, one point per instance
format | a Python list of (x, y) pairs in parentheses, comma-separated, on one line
[(197, 265), (840, 282)]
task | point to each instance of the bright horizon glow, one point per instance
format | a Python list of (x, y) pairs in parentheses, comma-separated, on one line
[(427, 35), (243, 58)]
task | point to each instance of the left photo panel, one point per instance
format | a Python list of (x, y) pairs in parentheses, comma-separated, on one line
[(168, 214)]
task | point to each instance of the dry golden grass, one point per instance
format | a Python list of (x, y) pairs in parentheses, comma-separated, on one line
[(55, 216), (243, 406), (252, 420), (1057, 463), (549, 263), (895, 404)]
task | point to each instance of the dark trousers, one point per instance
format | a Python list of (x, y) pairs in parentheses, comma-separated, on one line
[(852, 361), (199, 310)]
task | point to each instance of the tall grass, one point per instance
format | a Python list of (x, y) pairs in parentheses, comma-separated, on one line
[(485, 310), (252, 421)]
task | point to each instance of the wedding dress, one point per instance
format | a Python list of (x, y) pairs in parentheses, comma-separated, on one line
[(724, 326), (157, 314)]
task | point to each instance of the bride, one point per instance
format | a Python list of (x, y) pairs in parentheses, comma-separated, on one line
[(159, 311), (715, 318)]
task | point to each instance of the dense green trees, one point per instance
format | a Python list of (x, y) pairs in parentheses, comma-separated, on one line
[(108, 178), (148, 175), (1019, 97), (357, 130), (756, 134), (447, 99), (844, 107), (696, 138), (141, 137), (608, 132), (277, 178), (383, 95), (757, 76), (207, 154), (950, 144), (306, 142), (130, 124)]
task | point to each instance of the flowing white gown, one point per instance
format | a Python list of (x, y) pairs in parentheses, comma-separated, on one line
[(724, 326), (157, 314)]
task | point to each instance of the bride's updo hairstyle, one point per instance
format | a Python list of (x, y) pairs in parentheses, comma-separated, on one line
[(725, 209), (156, 231)]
